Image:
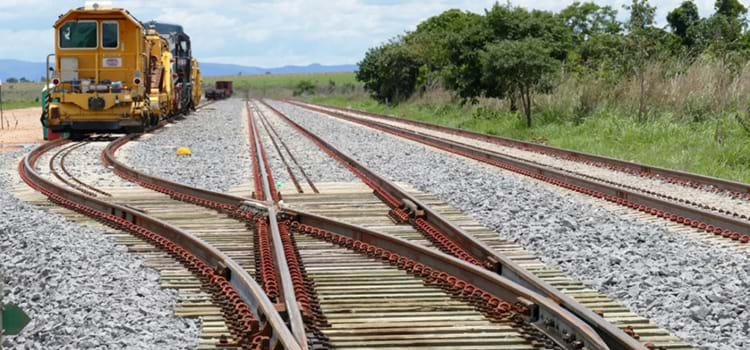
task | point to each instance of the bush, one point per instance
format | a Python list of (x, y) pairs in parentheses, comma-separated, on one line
[(304, 87), (389, 72)]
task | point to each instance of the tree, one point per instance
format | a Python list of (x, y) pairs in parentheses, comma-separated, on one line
[(641, 15), (730, 8), (23, 80), (430, 43), (516, 23), (603, 52), (681, 19), (640, 45), (517, 67), (304, 87), (389, 72), (429, 40), (722, 33), (11, 80), (588, 19), (464, 71)]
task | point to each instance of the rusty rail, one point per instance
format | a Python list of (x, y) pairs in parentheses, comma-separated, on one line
[(282, 268), (490, 292), (271, 133), (717, 223), (498, 263), (242, 297), (676, 176), (565, 325)]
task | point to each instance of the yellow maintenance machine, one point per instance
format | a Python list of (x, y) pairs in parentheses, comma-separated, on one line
[(112, 73)]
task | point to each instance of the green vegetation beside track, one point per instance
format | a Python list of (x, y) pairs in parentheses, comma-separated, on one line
[(284, 85), (718, 147), (21, 95)]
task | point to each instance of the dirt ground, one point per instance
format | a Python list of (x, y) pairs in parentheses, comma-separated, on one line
[(20, 126)]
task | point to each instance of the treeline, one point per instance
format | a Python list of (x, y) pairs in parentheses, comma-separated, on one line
[(513, 54), (12, 80)]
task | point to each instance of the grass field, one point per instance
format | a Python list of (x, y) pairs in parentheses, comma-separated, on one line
[(21, 95), (283, 85), (717, 147)]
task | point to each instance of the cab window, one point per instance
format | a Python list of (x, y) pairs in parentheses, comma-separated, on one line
[(78, 35), (110, 35)]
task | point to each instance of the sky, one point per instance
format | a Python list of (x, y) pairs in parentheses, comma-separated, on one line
[(267, 33)]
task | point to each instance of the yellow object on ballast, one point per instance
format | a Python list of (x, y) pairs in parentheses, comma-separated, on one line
[(184, 151)]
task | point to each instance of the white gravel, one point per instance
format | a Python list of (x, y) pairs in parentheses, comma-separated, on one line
[(698, 291), (719, 200), (80, 289), (219, 143), (317, 165), (86, 165)]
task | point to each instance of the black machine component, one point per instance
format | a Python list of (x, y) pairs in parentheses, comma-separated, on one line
[(96, 103), (180, 46)]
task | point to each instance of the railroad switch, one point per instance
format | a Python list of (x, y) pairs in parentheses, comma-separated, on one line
[(411, 208), (254, 207)]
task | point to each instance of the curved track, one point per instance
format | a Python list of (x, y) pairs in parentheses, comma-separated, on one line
[(710, 215), (300, 257)]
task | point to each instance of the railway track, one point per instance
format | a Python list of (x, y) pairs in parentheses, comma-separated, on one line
[(675, 196), (337, 285), (364, 208), (205, 255)]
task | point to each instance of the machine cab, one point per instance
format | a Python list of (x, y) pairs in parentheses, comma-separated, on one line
[(97, 74)]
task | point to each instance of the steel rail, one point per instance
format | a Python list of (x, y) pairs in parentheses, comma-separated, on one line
[(281, 154), (544, 314), (225, 201), (287, 286), (244, 285), (67, 173), (548, 317), (717, 223), (739, 188), (600, 179), (501, 264), (600, 326), (268, 126), (57, 175)]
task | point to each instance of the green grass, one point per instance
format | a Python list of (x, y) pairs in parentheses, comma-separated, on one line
[(282, 85), (19, 104), (719, 147), (21, 95)]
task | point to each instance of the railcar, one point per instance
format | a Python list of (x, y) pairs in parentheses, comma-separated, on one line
[(112, 73), (220, 91), (184, 67)]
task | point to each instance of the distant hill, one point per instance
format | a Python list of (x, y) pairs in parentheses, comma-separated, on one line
[(33, 71), (218, 69), (21, 69)]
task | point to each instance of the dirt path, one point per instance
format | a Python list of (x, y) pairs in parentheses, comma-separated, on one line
[(21, 126)]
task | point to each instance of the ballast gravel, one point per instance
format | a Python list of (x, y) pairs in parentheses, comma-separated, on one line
[(698, 291), (80, 289), (318, 166), (217, 139), (85, 164), (705, 196)]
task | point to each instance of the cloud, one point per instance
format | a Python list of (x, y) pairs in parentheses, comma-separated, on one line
[(27, 45), (267, 32)]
